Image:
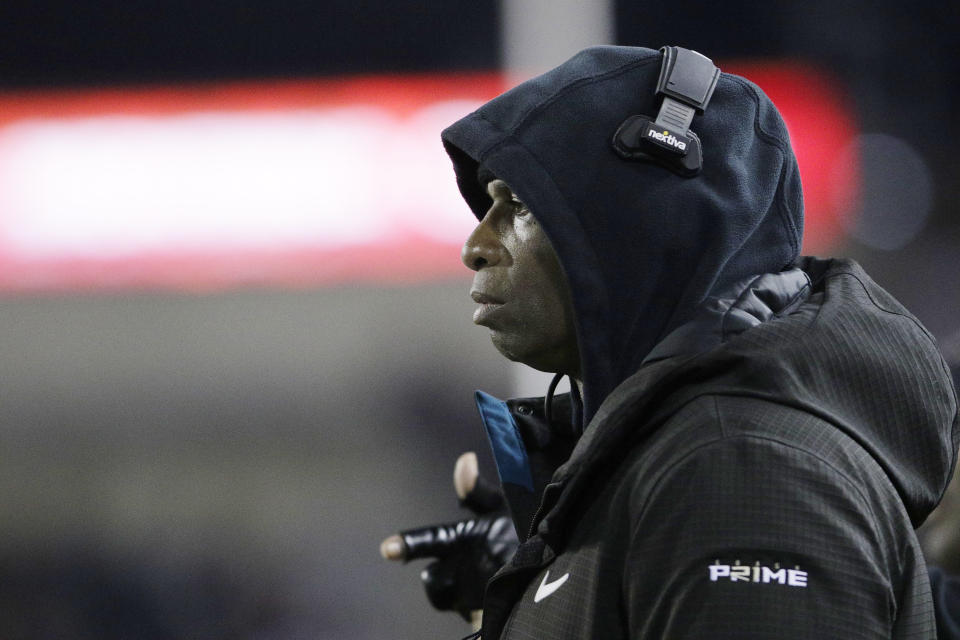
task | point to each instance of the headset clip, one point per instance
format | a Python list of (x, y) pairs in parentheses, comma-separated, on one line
[(687, 80)]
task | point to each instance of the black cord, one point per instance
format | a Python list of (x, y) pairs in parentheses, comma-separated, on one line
[(548, 400)]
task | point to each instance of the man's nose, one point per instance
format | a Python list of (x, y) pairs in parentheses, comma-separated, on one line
[(482, 249)]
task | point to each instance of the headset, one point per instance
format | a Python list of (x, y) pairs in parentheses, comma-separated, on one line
[(687, 80)]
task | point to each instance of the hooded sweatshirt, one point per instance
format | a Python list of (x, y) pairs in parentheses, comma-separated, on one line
[(762, 432)]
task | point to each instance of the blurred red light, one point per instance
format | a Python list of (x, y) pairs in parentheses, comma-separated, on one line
[(821, 125), (814, 107)]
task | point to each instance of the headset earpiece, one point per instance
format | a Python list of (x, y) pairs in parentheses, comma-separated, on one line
[(687, 80)]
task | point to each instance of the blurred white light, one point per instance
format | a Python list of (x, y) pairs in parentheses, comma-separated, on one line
[(895, 192), (327, 178)]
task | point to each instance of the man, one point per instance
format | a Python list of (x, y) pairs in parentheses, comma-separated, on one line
[(750, 438)]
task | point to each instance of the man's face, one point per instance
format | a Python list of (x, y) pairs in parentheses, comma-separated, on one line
[(520, 288)]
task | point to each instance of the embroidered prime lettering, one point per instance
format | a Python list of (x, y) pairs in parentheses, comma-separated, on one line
[(757, 573)]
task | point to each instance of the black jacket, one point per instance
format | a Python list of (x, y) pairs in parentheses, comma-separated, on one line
[(758, 448), (766, 486)]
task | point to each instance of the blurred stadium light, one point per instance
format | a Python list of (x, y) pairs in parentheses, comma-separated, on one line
[(287, 183), (270, 183), (895, 195)]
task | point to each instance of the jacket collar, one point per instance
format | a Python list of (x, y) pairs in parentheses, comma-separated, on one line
[(742, 306)]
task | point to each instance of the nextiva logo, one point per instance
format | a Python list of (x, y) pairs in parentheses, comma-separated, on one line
[(665, 138), (762, 574)]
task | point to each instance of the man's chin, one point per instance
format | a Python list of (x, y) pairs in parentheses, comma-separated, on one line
[(507, 345), (516, 351)]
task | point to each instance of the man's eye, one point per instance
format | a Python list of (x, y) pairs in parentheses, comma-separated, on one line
[(520, 209)]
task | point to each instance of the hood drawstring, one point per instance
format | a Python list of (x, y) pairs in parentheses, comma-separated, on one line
[(576, 404), (576, 408), (548, 399)]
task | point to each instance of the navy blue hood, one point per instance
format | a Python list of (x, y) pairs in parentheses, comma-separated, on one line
[(641, 247)]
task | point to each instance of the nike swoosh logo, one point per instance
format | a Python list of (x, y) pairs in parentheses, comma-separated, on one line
[(547, 588)]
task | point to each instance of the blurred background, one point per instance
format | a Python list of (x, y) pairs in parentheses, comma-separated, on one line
[(236, 337)]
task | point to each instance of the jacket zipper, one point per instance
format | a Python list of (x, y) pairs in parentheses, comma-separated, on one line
[(536, 515)]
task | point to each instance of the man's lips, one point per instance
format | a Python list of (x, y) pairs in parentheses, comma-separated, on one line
[(484, 298), (487, 305)]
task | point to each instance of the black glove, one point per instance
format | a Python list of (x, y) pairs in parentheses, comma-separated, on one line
[(468, 552)]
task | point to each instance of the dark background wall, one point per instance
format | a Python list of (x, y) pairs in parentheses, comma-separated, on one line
[(71, 43)]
